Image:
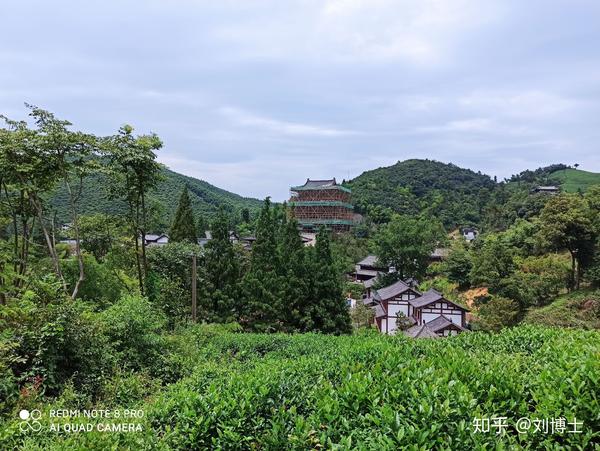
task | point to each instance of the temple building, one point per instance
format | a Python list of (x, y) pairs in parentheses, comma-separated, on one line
[(322, 202)]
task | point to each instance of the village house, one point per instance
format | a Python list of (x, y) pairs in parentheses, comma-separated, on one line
[(546, 189), (469, 233), (427, 314), (369, 269), (151, 239)]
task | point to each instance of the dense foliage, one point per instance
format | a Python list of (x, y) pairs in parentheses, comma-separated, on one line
[(245, 391), (183, 227), (457, 196), (206, 199)]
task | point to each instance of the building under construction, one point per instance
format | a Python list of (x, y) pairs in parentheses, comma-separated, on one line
[(322, 202)]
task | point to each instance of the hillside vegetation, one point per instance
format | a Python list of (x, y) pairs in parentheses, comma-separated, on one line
[(573, 180), (456, 195), (272, 392), (206, 199), (579, 309)]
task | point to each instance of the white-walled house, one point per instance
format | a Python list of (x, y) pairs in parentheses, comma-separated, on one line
[(429, 310)]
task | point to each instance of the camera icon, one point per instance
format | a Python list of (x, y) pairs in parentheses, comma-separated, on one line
[(30, 420)]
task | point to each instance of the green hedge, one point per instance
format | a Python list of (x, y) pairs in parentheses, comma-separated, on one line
[(248, 391)]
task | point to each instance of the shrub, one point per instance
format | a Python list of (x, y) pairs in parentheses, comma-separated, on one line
[(134, 328)]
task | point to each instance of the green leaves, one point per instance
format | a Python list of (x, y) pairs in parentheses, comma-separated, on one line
[(406, 243)]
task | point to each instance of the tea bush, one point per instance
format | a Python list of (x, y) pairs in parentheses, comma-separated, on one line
[(258, 391)]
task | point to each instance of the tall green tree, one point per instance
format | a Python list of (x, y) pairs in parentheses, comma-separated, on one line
[(221, 274), (294, 275), (406, 244), (493, 260), (567, 222), (69, 153), (328, 309), (458, 265), (184, 227), (33, 162), (261, 308), (134, 172)]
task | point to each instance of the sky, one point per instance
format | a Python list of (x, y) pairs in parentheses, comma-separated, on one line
[(255, 96)]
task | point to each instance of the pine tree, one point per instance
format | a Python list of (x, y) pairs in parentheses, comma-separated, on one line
[(221, 274), (293, 272), (261, 287), (184, 227), (328, 310), (245, 215)]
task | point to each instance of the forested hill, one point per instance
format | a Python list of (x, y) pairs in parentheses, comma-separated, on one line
[(455, 195), (206, 198)]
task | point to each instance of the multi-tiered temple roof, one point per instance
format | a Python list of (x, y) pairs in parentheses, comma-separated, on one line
[(322, 202)]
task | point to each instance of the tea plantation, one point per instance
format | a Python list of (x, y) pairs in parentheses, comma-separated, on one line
[(245, 391)]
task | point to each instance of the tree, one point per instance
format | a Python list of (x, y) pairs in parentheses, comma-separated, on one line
[(492, 261), (221, 274), (70, 152), (183, 227), (403, 322), (261, 308), (406, 244), (28, 171), (245, 215), (134, 172), (362, 316), (294, 276), (458, 265), (169, 278), (497, 313), (566, 222), (328, 308), (98, 232)]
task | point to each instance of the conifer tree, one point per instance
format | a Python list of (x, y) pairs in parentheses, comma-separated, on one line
[(328, 310), (293, 271), (221, 274), (184, 227), (261, 287)]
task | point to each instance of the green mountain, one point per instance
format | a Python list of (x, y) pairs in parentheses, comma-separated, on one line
[(455, 195), (206, 199), (572, 180)]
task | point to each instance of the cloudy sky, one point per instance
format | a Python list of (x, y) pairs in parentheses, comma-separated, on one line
[(257, 95)]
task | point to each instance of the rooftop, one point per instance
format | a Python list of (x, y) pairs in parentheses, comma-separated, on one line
[(421, 332), (431, 296), (369, 260), (441, 322), (391, 291), (320, 184)]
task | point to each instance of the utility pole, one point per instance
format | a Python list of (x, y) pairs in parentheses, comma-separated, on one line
[(194, 306)]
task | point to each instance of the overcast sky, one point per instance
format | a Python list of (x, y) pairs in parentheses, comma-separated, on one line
[(255, 96)]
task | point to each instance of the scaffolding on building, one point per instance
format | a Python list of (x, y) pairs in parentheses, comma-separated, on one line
[(322, 202)]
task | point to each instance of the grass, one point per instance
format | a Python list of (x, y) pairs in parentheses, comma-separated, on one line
[(580, 309), (571, 180)]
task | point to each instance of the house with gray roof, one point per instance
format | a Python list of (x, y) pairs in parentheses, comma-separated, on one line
[(428, 313)]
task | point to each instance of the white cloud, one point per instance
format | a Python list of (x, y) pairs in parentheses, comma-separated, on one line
[(246, 118), (525, 104), (413, 31)]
